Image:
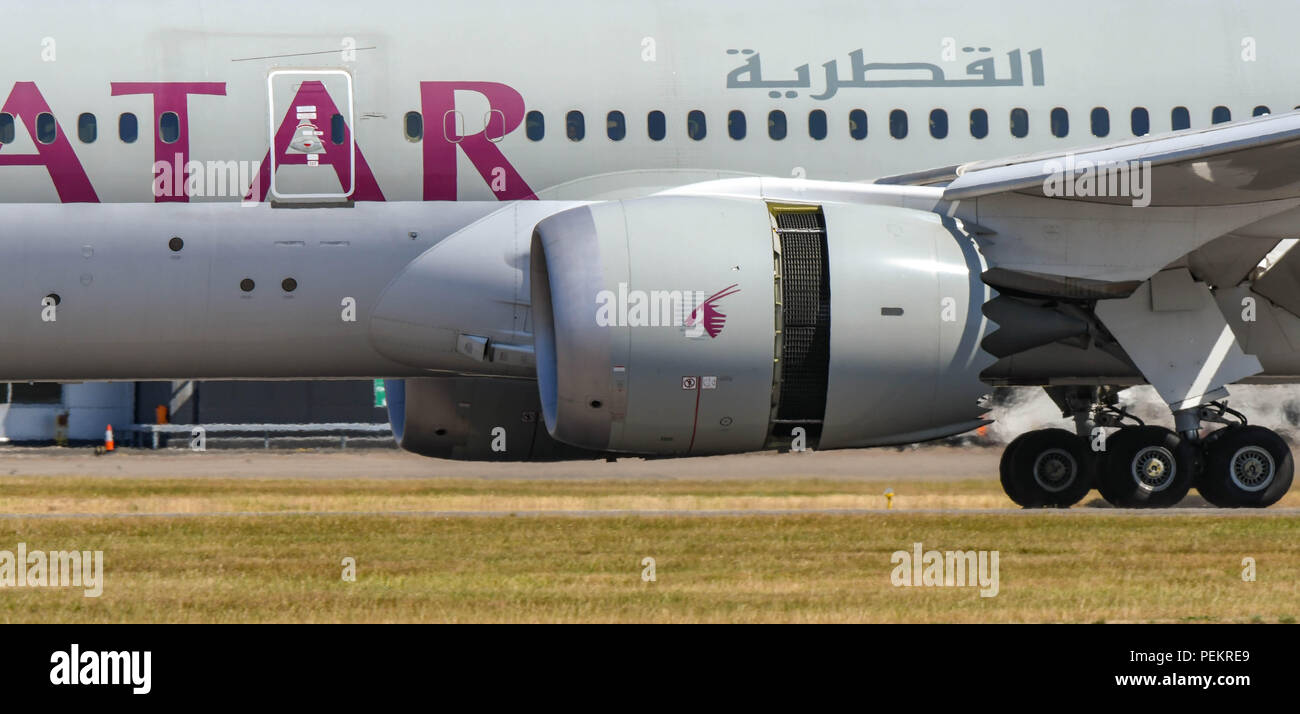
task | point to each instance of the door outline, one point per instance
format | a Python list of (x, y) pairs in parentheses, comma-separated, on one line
[(457, 125), (271, 129), (487, 125)]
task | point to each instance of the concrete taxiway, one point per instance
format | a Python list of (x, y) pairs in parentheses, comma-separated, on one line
[(944, 463)]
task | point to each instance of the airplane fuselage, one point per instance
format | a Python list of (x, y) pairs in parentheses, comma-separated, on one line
[(591, 100), (416, 123)]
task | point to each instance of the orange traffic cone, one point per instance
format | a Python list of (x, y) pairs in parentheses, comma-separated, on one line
[(108, 438)]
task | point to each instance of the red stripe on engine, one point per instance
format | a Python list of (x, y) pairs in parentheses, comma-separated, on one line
[(695, 422)]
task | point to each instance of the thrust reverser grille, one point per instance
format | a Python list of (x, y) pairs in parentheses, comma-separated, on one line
[(803, 320)]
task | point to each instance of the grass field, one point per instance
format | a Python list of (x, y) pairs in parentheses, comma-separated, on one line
[(556, 568), (54, 495), (70, 495)]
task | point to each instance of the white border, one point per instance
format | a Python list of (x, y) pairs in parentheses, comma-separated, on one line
[(352, 131)]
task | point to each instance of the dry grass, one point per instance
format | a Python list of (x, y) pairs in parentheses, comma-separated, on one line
[(55, 495), (804, 568), (561, 568), (78, 495)]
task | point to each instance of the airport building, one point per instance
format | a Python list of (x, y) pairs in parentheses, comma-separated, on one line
[(48, 412)]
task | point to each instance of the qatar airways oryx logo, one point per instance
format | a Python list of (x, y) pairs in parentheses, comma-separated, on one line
[(697, 314), (707, 317)]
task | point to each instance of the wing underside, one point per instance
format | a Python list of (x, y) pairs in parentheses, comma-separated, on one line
[(1175, 247)]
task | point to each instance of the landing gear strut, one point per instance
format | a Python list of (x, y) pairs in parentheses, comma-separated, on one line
[(1143, 466)]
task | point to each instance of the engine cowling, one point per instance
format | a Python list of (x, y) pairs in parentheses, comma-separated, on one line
[(680, 325), (473, 419)]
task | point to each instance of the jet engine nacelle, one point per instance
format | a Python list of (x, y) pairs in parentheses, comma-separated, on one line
[(472, 419), (680, 325)]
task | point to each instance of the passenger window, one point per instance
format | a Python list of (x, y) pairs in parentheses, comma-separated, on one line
[(656, 126), (535, 126), (6, 129), (1222, 115), (169, 127), (817, 124), (337, 129), (1260, 111), (1180, 119), (87, 129), (1019, 123), (858, 124), (898, 124), (979, 123), (45, 132), (1100, 122), (615, 126), (695, 125), (414, 126), (1141, 122), (939, 124), (128, 129), (776, 124), (575, 126), (736, 124), (1060, 123)]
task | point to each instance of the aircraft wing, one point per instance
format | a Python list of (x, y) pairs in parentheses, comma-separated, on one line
[(1095, 223), (1246, 162), (1195, 167), (1165, 236)]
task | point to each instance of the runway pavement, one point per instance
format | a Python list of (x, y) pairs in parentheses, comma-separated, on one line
[(1081, 512), (937, 463), (895, 468)]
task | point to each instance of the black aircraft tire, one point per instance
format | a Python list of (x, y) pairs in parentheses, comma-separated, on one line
[(1050, 468), (1146, 467), (1246, 467)]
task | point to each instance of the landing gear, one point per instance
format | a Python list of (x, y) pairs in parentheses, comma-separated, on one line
[(1142, 466), (1245, 467), (1048, 468)]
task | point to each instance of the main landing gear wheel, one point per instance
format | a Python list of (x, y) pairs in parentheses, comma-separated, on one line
[(1047, 468), (1245, 467), (1146, 467)]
